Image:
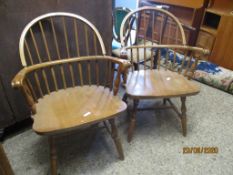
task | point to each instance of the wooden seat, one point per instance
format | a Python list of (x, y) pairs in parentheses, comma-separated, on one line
[(165, 75), (71, 108), (159, 84), (67, 79)]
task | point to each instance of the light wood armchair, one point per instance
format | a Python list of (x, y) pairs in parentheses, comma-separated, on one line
[(66, 84), (164, 75)]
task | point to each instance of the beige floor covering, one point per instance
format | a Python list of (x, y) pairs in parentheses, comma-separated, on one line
[(157, 146)]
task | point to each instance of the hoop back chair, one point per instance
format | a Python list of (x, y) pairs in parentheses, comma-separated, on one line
[(166, 75), (67, 79)]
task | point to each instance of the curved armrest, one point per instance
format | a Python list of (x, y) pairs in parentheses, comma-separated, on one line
[(20, 76), (20, 80)]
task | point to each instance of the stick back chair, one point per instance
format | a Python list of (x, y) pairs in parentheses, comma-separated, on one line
[(152, 27), (66, 84), (169, 73)]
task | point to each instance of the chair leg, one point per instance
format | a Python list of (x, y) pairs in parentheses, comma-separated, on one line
[(114, 134), (125, 97), (183, 116), (164, 101), (53, 156), (124, 76), (132, 120)]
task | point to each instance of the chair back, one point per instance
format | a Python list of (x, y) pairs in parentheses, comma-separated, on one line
[(153, 25), (59, 35), (160, 35)]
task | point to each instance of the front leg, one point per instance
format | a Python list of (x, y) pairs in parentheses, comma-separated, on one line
[(114, 134), (132, 120), (183, 116), (53, 156)]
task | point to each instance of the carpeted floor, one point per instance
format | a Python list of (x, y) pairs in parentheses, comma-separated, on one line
[(157, 146)]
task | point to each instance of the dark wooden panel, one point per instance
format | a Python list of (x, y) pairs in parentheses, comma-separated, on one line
[(15, 15), (6, 116)]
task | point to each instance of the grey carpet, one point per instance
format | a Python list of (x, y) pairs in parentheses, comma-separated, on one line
[(156, 148)]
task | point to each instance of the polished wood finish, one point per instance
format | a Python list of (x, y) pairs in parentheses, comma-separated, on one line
[(184, 3), (114, 134), (75, 107), (219, 37), (222, 50), (159, 84), (161, 77), (65, 92), (5, 167)]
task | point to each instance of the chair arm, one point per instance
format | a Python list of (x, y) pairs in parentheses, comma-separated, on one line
[(21, 82)]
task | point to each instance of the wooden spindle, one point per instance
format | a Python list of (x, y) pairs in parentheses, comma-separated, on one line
[(45, 41), (112, 75), (106, 75), (80, 73), (95, 43), (89, 72), (63, 76), (35, 45), (28, 51), (48, 54), (167, 59), (144, 40), (159, 58), (28, 82), (193, 67), (76, 37), (72, 74), (96, 62), (109, 73), (183, 62), (137, 57), (46, 81), (161, 29), (38, 84), (55, 39), (174, 59), (169, 33), (66, 37), (54, 78), (86, 39), (97, 72), (152, 37), (188, 65), (58, 55)]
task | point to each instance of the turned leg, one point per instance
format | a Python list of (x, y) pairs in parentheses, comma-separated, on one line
[(125, 97), (164, 101), (114, 134), (53, 156), (132, 120), (183, 116)]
